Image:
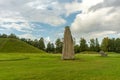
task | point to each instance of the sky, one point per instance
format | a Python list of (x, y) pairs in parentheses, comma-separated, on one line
[(47, 18)]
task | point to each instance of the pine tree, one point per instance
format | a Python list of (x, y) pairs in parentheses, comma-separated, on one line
[(48, 49), (117, 45), (105, 44), (77, 49), (36, 43), (83, 45), (4, 36), (52, 48), (112, 45), (41, 44), (12, 36), (92, 45), (59, 45), (97, 46)]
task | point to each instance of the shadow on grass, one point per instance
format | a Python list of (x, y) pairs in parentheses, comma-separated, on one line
[(17, 59), (76, 60)]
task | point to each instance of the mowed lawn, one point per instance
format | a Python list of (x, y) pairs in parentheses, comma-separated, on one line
[(20, 66)]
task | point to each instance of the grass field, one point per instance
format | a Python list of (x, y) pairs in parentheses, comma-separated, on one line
[(15, 66)]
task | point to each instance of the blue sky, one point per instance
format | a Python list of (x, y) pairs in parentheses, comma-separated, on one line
[(47, 18)]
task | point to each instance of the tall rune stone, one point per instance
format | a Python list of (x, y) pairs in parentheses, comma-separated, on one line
[(68, 45)]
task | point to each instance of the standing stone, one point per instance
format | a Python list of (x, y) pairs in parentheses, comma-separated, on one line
[(68, 45)]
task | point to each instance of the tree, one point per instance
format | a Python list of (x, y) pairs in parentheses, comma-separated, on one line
[(117, 45), (112, 45), (105, 44), (97, 46), (29, 41), (23, 39), (77, 48), (92, 45), (12, 36), (59, 45), (83, 45), (4, 36), (0, 35), (35, 43), (52, 48), (41, 44), (48, 49)]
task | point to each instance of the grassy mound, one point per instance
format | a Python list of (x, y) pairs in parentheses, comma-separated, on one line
[(9, 45)]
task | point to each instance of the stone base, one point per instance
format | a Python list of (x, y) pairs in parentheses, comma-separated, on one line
[(68, 58)]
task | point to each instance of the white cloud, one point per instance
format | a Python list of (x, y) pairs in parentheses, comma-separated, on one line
[(86, 4), (83, 6), (47, 39), (100, 34), (23, 27), (88, 22), (37, 4), (48, 12), (13, 20), (51, 19), (96, 23), (44, 11), (27, 36), (72, 7), (9, 16)]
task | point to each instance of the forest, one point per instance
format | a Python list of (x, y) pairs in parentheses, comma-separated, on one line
[(107, 44)]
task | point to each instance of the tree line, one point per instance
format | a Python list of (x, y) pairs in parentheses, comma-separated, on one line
[(107, 44)]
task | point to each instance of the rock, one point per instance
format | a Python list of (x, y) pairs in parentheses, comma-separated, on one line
[(68, 45), (103, 53)]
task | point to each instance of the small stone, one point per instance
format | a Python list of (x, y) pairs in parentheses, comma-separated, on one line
[(103, 53)]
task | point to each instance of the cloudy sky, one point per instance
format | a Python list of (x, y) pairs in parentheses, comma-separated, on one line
[(47, 18)]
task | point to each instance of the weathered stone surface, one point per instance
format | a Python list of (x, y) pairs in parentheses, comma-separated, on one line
[(103, 53), (68, 45)]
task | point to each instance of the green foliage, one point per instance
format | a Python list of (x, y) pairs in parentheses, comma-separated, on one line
[(3, 36), (35, 43), (24, 40), (50, 47), (59, 45), (92, 45), (77, 49), (83, 45), (105, 44), (12, 36), (97, 45), (117, 44), (112, 45), (29, 41), (11, 45), (41, 44)]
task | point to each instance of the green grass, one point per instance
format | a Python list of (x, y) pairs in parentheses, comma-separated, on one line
[(9, 45), (50, 67)]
